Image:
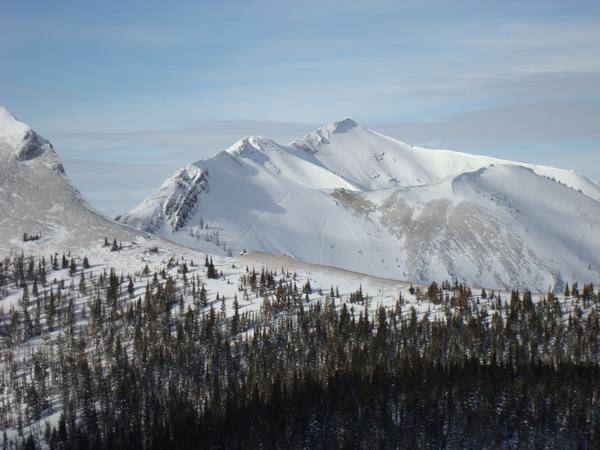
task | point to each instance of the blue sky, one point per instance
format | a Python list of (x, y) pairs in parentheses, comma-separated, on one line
[(165, 83)]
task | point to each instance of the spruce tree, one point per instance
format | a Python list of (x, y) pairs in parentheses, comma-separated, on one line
[(72, 267)]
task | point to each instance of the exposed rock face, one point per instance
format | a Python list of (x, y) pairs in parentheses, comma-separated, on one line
[(179, 208), (173, 205)]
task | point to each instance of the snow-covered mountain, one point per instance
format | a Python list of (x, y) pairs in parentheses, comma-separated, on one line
[(370, 160), (349, 197), (37, 198)]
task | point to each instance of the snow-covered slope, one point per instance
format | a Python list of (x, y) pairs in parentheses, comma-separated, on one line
[(371, 160), (37, 198), (349, 197)]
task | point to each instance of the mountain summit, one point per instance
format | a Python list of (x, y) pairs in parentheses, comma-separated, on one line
[(347, 196), (342, 126), (37, 198), (18, 141)]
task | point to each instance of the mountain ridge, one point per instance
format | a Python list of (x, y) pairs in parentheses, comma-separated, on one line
[(337, 195)]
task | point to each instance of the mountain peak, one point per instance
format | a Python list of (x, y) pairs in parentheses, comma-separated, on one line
[(11, 129), (342, 126), (5, 113), (19, 142), (250, 144), (323, 135)]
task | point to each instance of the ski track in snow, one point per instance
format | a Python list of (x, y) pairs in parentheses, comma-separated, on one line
[(252, 226), (323, 234), (363, 253)]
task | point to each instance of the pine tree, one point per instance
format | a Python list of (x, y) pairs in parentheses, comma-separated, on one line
[(82, 286), (130, 288), (112, 291), (202, 296), (575, 290), (72, 267), (211, 271), (223, 306), (235, 321), (50, 310)]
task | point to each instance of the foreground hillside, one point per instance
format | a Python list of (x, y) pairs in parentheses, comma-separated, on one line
[(174, 352), (349, 197)]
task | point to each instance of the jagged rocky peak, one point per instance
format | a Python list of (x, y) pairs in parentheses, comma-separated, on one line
[(32, 146), (173, 205), (188, 183)]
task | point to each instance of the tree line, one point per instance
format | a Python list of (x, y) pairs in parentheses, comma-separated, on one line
[(168, 366)]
